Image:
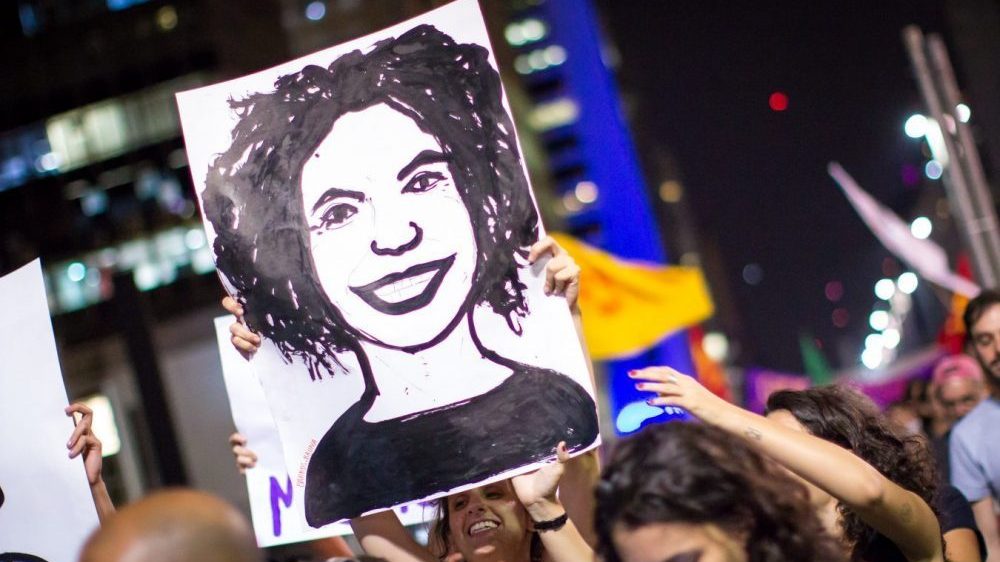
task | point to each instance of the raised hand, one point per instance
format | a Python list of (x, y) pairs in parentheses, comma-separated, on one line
[(538, 488), (243, 339), (83, 441), (245, 458), (562, 275), (674, 388)]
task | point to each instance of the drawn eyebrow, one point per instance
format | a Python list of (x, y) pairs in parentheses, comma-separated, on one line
[(336, 192), (425, 157)]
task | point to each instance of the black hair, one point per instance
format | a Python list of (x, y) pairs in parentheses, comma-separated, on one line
[(691, 473), (252, 194), (843, 416), (976, 307)]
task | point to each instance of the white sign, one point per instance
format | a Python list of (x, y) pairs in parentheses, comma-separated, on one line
[(46, 510), (369, 206), (276, 507)]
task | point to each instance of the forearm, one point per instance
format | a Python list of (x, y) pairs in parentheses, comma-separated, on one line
[(564, 544), (382, 535), (986, 520), (891, 510), (830, 467), (576, 492), (102, 500)]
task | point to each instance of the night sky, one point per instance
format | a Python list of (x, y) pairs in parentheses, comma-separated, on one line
[(702, 73)]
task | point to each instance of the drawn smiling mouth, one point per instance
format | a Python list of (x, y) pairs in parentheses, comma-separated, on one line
[(406, 291)]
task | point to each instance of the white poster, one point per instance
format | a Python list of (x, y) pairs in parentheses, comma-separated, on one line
[(369, 207), (46, 510), (276, 507)]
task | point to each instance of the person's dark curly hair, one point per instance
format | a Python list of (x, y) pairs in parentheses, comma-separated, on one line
[(252, 194), (697, 474), (844, 416)]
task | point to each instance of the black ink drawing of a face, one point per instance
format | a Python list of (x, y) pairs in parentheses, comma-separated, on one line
[(392, 240), (333, 253), (15, 556)]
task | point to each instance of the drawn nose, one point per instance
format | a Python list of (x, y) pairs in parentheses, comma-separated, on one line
[(418, 235)]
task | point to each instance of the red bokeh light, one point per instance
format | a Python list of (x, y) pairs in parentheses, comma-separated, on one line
[(841, 317), (834, 291), (778, 101)]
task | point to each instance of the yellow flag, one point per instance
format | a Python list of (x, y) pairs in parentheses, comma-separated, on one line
[(628, 307)]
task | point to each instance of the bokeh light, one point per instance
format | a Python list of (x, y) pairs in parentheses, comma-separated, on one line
[(908, 282), (921, 227), (884, 289), (915, 126), (879, 320), (778, 101)]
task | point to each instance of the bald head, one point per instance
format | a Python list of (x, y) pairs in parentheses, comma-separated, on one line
[(174, 526)]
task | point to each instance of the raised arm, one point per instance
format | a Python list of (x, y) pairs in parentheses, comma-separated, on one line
[(576, 489), (901, 515), (555, 526), (83, 442), (382, 535)]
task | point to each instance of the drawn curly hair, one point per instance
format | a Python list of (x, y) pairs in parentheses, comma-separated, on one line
[(252, 194), (696, 474), (844, 416)]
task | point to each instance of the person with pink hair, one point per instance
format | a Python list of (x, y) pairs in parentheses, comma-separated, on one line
[(957, 386)]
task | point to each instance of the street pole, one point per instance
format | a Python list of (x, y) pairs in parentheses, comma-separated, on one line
[(965, 181)]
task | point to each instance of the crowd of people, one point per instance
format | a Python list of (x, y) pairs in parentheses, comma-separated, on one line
[(823, 476)]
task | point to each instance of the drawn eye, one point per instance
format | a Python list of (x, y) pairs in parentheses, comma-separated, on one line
[(337, 215), (423, 181)]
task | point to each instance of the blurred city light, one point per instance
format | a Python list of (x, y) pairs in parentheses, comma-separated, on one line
[(778, 101), (104, 427), (753, 274), (933, 169), (964, 112), (716, 346), (556, 113), (76, 272), (871, 357), (316, 11), (586, 192), (671, 191), (166, 18), (921, 227), (907, 282), (874, 341), (890, 338), (840, 317), (571, 203), (834, 291), (526, 31), (879, 320), (915, 126), (884, 289)]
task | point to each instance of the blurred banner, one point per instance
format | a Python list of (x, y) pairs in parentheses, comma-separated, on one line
[(761, 383), (630, 306), (925, 257)]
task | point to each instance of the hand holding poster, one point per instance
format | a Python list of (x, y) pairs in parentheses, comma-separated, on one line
[(371, 212), (46, 509)]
